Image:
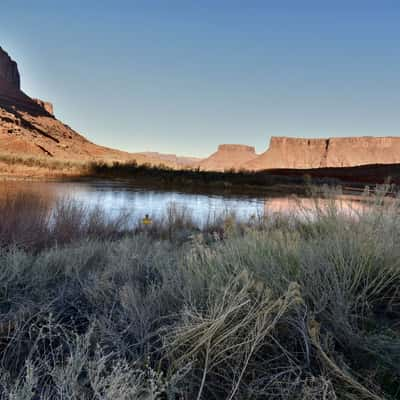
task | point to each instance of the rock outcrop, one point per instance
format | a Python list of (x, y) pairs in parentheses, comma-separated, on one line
[(28, 128), (9, 70), (227, 157), (299, 153), (46, 105)]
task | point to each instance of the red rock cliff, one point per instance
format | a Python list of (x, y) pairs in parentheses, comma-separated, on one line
[(9, 70), (285, 152), (28, 128)]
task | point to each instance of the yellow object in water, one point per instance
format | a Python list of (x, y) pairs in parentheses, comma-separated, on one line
[(147, 220)]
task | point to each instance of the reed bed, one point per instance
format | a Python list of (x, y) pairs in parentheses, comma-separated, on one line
[(278, 308)]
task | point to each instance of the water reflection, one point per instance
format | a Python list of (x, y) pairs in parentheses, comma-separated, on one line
[(117, 197), (310, 207)]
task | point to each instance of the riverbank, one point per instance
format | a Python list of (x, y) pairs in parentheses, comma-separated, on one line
[(352, 179), (151, 177), (282, 308), (15, 167)]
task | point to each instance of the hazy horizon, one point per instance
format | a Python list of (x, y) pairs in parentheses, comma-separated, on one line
[(183, 78)]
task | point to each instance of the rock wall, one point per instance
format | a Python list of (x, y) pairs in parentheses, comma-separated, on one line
[(9, 70), (10, 91), (228, 156), (285, 152), (47, 106), (28, 128)]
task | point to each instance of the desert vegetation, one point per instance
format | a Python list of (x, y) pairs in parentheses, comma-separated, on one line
[(285, 307), (26, 166), (161, 176), (193, 179), (241, 179)]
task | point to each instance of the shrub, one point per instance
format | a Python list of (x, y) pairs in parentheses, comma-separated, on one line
[(286, 308)]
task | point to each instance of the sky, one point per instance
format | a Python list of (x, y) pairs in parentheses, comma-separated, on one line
[(184, 76)]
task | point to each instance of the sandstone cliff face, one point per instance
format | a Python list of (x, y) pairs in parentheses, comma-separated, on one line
[(228, 156), (28, 128), (346, 152), (9, 70), (285, 152)]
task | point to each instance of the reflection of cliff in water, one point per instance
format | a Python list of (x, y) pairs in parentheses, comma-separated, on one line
[(48, 191), (117, 197), (308, 207), (43, 197), (42, 192)]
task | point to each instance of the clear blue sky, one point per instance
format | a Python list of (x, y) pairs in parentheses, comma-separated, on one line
[(184, 76)]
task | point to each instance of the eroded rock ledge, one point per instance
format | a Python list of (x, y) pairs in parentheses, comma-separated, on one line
[(46, 105)]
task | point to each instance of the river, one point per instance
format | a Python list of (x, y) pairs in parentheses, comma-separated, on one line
[(115, 197)]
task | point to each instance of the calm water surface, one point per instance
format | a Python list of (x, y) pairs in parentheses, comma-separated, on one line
[(115, 197)]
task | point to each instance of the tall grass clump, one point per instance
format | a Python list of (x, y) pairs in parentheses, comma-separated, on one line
[(302, 306), (34, 222)]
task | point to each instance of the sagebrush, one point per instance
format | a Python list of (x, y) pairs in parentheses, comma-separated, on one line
[(281, 308)]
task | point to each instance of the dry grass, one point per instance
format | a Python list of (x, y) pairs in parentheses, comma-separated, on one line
[(33, 222), (289, 308), (14, 165)]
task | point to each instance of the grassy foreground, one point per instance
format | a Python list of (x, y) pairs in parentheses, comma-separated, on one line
[(283, 308)]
